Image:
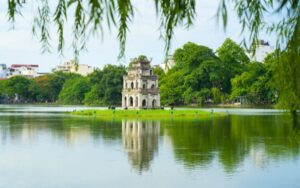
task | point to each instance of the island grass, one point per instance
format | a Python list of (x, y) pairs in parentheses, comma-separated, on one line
[(148, 114)]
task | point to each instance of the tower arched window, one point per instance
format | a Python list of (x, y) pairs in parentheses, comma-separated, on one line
[(131, 101), (132, 85), (144, 103), (154, 103)]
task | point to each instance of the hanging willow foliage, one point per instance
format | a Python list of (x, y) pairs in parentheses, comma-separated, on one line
[(253, 16), (93, 15)]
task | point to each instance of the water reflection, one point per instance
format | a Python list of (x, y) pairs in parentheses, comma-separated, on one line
[(234, 139), (140, 139), (296, 125), (61, 129), (232, 142)]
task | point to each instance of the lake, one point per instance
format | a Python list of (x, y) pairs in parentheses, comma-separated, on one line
[(42, 147)]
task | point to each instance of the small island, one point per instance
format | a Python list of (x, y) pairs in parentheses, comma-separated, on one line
[(141, 98), (150, 114)]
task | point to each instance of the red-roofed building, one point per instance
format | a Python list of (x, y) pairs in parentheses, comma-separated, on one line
[(27, 70), (24, 65)]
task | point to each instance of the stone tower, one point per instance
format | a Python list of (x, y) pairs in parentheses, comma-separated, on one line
[(140, 86)]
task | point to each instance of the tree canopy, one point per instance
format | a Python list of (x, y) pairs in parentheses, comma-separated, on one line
[(234, 61), (203, 76), (199, 76), (74, 90), (102, 87), (196, 71), (255, 85), (107, 86)]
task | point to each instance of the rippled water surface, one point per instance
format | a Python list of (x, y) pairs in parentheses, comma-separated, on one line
[(41, 147)]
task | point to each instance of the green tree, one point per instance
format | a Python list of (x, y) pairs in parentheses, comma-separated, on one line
[(216, 95), (74, 90), (159, 72), (17, 89), (2, 90), (107, 86), (196, 68), (286, 77), (234, 61), (254, 84), (50, 85), (170, 91), (203, 96), (94, 96)]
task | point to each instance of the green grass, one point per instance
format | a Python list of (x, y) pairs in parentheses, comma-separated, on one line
[(148, 114)]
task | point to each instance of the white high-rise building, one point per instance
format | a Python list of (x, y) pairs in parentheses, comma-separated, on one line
[(72, 67), (262, 50), (169, 63), (3, 71)]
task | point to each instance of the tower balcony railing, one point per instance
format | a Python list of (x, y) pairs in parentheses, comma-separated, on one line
[(142, 90)]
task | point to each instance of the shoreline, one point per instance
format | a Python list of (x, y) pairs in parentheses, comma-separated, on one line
[(148, 114)]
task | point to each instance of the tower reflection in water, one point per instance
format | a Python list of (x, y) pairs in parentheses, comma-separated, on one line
[(140, 140)]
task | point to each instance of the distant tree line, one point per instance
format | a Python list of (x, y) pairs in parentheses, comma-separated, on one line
[(200, 76), (102, 87)]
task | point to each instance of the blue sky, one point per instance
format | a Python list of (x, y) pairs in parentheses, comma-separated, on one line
[(19, 45)]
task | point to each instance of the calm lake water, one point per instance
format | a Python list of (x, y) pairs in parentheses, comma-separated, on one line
[(41, 147)]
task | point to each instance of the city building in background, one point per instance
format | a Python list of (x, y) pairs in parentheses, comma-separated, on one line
[(26, 70), (262, 50), (72, 67), (168, 64), (3, 71)]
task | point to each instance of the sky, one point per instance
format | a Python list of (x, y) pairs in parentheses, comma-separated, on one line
[(19, 46)]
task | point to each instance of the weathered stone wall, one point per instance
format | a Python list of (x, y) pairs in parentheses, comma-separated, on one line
[(140, 88)]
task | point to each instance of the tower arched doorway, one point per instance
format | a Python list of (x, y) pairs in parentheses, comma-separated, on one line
[(153, 103), (125, 101), (131, 101), (144, 103)]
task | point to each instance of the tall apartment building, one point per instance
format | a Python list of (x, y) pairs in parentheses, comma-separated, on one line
[(3, 71), (262, 50), (72, 67)]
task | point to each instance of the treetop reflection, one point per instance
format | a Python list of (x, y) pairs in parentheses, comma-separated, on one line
[(195, 144)]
